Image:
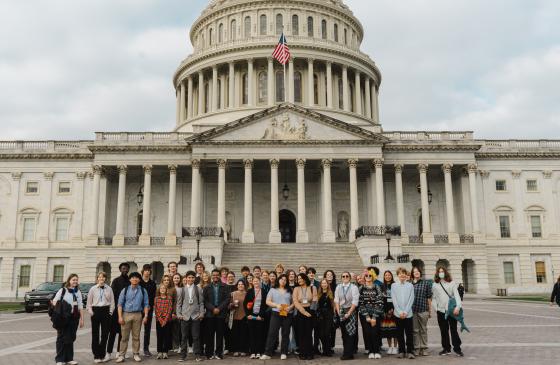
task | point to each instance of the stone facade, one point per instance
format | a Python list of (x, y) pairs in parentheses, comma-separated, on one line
[(264, 160)]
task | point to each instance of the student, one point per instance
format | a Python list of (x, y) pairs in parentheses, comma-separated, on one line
[(273, 278), (443, 289), (164, 315), (150, 286), (302, 269), (257, 271), (555, 293), (255, 309), (402, 293), (190, 311), (421, 309), (175, 323), (199, 269), (346, 300), (305, 299), (223, 274), (280, 300), (389, 323), (216, 302), (117, 285), (245, 271), (311, 274), (279, 270), (239, 329), (325, 314), (100, 305), (71, 298), (371, 310), (172, 268), (331, 279), (133, 300)]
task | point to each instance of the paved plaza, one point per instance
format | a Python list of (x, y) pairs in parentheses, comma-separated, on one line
[(502, 333)]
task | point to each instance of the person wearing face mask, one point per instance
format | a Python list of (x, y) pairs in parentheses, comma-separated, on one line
[(443, 289), (100, 305), (117, 285), (346, 300)]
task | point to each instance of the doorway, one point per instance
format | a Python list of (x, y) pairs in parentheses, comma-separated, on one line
[(287, 225)]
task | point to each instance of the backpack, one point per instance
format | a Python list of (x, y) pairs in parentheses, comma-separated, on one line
[(126, 291), (61, 312)]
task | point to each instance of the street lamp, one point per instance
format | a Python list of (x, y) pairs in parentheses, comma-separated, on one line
[(140, 196), (286, 192), (388, 238), (198, 236)]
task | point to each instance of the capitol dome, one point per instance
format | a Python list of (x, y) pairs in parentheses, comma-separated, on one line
[(231, 73)]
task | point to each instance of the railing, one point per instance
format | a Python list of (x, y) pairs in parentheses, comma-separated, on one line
[(203, 231), (403, 259), (368, 231), (157, 241), (374, 259), (234, 240), (105, 241), (519, 145), (441, 238), (466, 238), (429, 136), (45, 146), (415, 239), (157, 137), (131, 241)]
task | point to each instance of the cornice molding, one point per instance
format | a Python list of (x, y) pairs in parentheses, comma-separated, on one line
[(517, 155), (45, 156)]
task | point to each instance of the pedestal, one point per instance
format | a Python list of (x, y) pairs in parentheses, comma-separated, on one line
[(118, 240), (145, 240), (275, 237), (248, 237), (428, 238), (328, 237), (302, 237), (171, 240)]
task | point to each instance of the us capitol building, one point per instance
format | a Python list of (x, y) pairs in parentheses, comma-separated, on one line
[(264, 167)]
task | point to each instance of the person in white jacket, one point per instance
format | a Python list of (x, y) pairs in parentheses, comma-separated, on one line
[(443, 289), (100, 305)]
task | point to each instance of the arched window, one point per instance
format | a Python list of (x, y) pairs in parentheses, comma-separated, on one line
[(324, 29), (340, 94), (345, 36), (280, 87), (233, 30), (295, 25), (310, 26), (221, 33), (139, 218), (245, 86), (247, 26), (262, 25), (263, 87), (297, 87), (279, 24), (211, 36), (315, 89), (207, 97), (336, 32)]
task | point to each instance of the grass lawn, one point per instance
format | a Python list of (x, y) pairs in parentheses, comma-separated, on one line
[(10, 307)]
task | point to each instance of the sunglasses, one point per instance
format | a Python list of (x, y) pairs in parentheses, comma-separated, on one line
[(345, 276), (367, 276)]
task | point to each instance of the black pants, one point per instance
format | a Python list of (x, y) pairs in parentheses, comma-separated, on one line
[(239, 335), (256, 336), (148, 330), (324, 329), (65, 341), (305, 333), (101, 319), (176, 333), (276, 323), (214, 332), (349, 341), (372, 335), (163, 337), (446, 326), (115, 329), (190, 330), (405, 327), (227, 336)]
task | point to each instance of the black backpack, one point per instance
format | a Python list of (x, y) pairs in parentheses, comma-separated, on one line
[(61, 312)]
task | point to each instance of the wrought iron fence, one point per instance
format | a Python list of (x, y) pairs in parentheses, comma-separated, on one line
[(157, 241), (105, 241), (403, 259), (415, 239), (374, 259), (203, 231), (368, 231), (131, 241), (441, 238), (466, 238)]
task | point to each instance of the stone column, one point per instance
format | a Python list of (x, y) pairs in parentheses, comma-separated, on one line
[(171, 238), (182, 110), (195, 194), (222, 195), (329, 86), (250, 94), (473, 197), (145, 238), (376, 102), (178, 106), (310, 83), (345, 90), (427, 234), (118, 239), (380, 195), (328, 234), (248, 235), (449, 206), (214, 88), (97, 169), (223, 92), (200, 93), (291, 87), (400, 199), (231, 85), (358, 92), (190, 109), (354, 219), (270, 82), (367, 88), (274, 236), (302, 235)]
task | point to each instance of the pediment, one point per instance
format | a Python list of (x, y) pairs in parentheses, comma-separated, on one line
[(287, 123)]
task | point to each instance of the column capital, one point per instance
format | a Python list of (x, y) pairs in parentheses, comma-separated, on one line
[(200, 73), (399, 168), (215, 68), (97, 169), (195, 164), (357, 73), (472, 168), (81, 175), (310, 60), (344, 67), (48, 175), (274, 163), (446, 168), (423, 168), (16, 176), (222, 163), (291, 60), (352, 163), (329, 63), (547, 174), (485, 174), (326, 163), (248, 163), (250, 60), (516, 174), (377, 163), (122, 169), (172, 168), (270, 59), (147, 169), (300, 163)]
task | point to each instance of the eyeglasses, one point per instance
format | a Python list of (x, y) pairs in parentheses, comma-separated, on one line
[(367, 276), (345, 276)]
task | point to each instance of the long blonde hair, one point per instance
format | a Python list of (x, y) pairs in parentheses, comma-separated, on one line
[(204, 284), (329, 291)]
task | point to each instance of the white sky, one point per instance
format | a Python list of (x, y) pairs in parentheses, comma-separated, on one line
[(72, 67)]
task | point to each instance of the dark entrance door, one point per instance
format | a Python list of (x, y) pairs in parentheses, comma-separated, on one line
[(287, 224)]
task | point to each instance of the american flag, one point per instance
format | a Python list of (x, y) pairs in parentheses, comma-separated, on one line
[(282, 52)]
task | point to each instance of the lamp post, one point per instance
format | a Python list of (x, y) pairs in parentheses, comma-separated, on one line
[(388, 238), (198, 236)]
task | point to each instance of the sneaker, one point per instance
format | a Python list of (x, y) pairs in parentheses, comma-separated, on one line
[(377, 356), (165, 355), (137, 357), (411, 356), (371, 356), (444, 353), (60, 363), (107, 358), (258, 356), (282, 357), (159, 356), (147, 353), (198, 359), (402, 355), (219, 357), (120, 359), (424, 352), (366, 352), (73, 362), (182, 359), (242, 354), (252, 356), (226, 352), (191, 350), (457, 353), (97, 361), (266, 357)]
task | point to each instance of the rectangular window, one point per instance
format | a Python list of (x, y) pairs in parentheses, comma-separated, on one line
[(536, 229), (532, 185), (504, 226), (58, 273), (32, 187), (62, 229), (64, 187), (501, 185), (24, 276), (540, 269), (28, 229), (509, 274)]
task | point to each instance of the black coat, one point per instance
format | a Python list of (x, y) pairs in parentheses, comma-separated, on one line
[(151, 289), (250, 297), (118, 285), (223, 300), (555, 294)]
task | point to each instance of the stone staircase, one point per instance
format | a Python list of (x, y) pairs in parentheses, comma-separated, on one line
[(322, 256)]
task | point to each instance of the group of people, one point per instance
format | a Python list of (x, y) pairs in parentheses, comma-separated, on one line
[(261, 313)]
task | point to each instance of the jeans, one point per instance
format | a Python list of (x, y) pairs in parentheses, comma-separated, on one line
[(100, 319), (445, 327), (65, 341), (115, 329), (404, 326), (215, 332), (305, 333), (163, 337), (276, 323), (190, 329), (132, 324), (148, 330), (421, 330)]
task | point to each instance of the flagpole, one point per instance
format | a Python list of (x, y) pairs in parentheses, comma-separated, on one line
[(285, 76)]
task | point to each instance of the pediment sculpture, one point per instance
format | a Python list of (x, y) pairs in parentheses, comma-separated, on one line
[(286, 130)]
